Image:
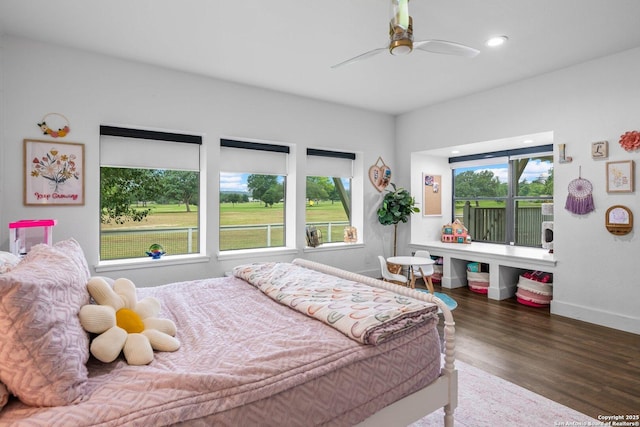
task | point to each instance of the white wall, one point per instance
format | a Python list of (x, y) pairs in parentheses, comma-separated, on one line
[(597, 275), (90, 90)]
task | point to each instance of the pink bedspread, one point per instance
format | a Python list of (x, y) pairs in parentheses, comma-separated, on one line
[(246, 360)]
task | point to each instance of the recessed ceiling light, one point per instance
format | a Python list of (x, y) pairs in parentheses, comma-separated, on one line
[(455, 152), (497, 41), (527, 141)]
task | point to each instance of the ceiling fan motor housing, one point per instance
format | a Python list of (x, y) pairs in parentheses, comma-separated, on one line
[(401, 39)]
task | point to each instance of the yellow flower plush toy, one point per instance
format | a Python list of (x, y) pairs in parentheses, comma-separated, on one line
[(125, 324)]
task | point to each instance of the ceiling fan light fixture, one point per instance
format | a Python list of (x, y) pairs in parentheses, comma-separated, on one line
[(401, 39), (401, 47)]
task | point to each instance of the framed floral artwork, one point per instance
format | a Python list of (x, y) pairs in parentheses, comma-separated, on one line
[(53, 173), (620, 176)]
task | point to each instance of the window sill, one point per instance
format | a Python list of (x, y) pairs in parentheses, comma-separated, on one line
[(267, 252), (333, 247), (137, 263), (244, 253)]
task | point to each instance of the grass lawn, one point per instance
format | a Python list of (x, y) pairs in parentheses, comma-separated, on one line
[(160, 216), (131, 245)]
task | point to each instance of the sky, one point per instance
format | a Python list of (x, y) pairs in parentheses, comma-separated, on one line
[(534, 169), (238, 181), (233, 181)]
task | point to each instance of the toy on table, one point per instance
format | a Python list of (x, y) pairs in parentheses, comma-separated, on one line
[(455, 232), (156, 251), (29, 232)]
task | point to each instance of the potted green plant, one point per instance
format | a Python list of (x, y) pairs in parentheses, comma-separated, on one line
[(397, 206)]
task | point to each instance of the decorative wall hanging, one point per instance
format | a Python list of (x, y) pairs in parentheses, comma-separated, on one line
[(619, 220), (431, 196), (380, 175), (620, 176), (580, 198), (56, 120), (53, 173), (630, 141), (600, 150), (562, 154)]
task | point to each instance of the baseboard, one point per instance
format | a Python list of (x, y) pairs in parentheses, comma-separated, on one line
[(598, 317)]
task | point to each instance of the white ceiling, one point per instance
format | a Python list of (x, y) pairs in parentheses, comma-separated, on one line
[(289, 45)]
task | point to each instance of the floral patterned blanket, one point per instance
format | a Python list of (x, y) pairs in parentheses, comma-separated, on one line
[(362, 312)]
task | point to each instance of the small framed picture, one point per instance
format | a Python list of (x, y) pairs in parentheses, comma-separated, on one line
[(619, 220), (53, 173), (600, 150), (620, 176)]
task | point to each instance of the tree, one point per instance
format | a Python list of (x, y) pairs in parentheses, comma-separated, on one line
[(478, 184), (119, 189), (233, 198), (183, 186), (274, 194), (548, 184), (315, 189), (259, 185)]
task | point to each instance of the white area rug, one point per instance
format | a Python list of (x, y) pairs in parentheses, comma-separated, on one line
[(485, 400)]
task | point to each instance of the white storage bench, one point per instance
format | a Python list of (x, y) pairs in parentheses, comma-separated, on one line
[(506, 263)]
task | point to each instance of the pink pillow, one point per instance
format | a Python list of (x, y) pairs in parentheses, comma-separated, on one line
[(4, 396), (7, 261), (43, 347)]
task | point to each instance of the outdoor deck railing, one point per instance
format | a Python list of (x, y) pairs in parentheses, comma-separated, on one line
[(488, 224), (133, 243)]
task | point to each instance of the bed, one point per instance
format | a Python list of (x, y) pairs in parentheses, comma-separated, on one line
[(248, 356)]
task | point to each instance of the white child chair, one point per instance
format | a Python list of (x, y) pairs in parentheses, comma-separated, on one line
[(424, 271), (388, 276)]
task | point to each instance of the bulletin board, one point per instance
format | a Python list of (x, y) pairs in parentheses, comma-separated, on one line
[(431, 195)]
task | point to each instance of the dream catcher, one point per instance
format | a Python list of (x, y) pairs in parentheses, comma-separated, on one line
[(580, 199)]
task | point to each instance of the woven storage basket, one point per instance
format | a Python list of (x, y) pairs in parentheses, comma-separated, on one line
[(478, 278), (437, 273), (532, 299), (535, 286), (478, 282), (480, 289)]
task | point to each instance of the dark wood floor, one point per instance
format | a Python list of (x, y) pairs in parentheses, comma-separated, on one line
[(592, 369)]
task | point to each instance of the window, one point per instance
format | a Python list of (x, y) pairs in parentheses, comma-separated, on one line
[(499, 196), (149, 192), (253, 195), (328, 192)]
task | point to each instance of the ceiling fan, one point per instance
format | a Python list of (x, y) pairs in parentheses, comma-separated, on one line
[(401, 38)]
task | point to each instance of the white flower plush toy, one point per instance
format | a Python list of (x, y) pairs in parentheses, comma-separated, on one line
[(125, 324)]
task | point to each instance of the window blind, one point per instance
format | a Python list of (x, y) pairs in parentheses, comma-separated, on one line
[(253, 157), (336, 164), (135, 148)]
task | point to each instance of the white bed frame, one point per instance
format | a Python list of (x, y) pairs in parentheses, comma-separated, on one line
[(442, 393)]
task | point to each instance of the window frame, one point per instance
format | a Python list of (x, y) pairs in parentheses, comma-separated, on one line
[(166, 136), (338, 172), (289, 192), (508, 157)]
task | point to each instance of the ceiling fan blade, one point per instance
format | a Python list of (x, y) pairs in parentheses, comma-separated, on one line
[(448, 48), (360, 57)]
